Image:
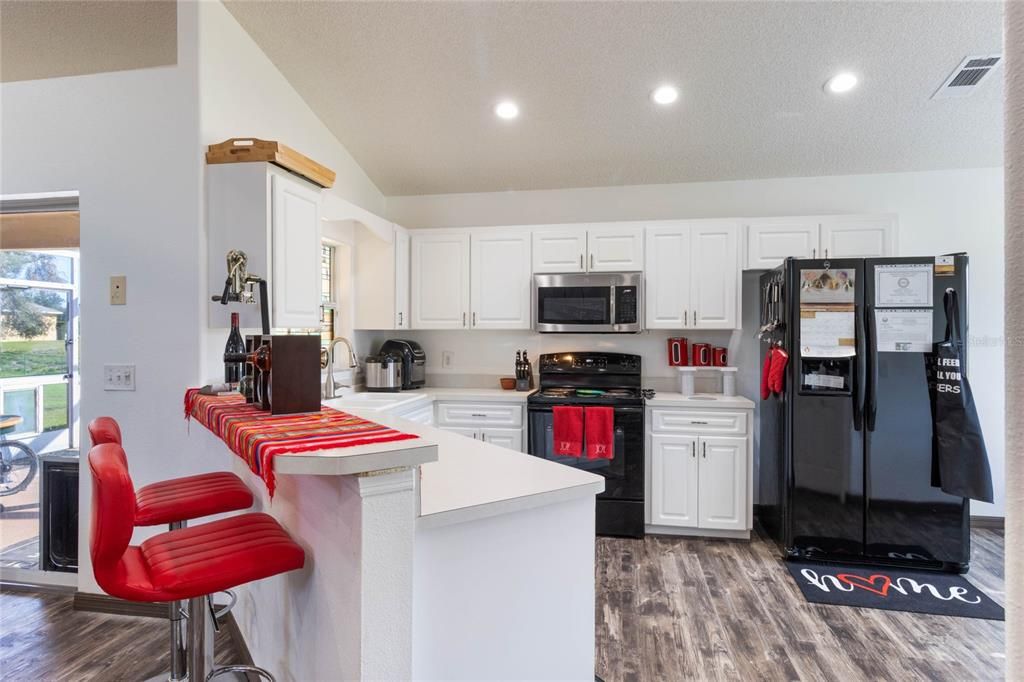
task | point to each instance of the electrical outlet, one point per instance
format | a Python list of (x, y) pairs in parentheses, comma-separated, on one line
[(118, 377), (118, 290), (447, 359)]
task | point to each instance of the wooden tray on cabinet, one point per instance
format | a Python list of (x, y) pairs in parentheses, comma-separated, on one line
[(246, 149)]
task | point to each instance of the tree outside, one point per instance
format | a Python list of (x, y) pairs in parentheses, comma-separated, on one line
[(31, 313)]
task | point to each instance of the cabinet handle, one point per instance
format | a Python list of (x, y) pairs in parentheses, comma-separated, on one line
[(399, 319), (826, 253), (686, 317), (474, 318), (814, 253), (581, 261), (695, 449), (697, 422), (705, 447), (591, 261), (463, 319)]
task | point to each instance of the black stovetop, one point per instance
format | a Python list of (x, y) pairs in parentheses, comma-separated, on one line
[(589, 379)]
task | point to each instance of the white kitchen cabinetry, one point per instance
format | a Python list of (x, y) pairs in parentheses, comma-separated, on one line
[(498, 423), (500, 279), (440, 279), (274, 217), (610, 247), (381, 271), (771, 240), (858, 237), (699, 481), (692, 272)]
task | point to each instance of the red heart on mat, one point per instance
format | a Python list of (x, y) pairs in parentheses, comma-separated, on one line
[(868, 584)]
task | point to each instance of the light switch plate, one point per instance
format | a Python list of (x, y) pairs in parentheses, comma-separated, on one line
[(118, 377), (118, 290)]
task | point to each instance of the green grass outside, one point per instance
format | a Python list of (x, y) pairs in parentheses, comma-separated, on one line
[(55, 406), (32, 358)]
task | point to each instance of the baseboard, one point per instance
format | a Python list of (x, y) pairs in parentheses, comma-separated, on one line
[(697, 532), (990, 522), (15, 587), (102, 603)]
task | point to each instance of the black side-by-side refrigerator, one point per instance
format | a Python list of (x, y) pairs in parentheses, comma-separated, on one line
[(846, 466)]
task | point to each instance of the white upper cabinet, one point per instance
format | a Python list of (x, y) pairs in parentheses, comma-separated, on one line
[(674, 479), (500, 279), (715, 275), (560, 249), (723, 474), (381, 271), (858, 237), (692, 274), (274, 217), (771, 240), (403, 262), (296, 244), (615, 247), (667, 291), (440, 279)]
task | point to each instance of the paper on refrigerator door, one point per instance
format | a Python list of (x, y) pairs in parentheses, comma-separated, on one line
[(827, 333), (903, 284), (902, 330)]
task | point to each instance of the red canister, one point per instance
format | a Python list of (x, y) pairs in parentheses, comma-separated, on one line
[(678, 353), (701, 355), (720, 356)]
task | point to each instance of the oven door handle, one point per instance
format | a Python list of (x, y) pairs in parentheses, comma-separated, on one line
[(547, 408)]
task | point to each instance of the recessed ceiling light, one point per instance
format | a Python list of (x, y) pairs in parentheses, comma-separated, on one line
[(666, 94), (506, 109), (841, 82)]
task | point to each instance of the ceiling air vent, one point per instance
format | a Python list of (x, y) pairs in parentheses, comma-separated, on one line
[(966, 78)]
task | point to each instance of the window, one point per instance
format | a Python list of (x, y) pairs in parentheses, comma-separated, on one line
[(327, 293)]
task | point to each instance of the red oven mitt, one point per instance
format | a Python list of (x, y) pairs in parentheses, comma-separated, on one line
[(777, 375), (766, 390)]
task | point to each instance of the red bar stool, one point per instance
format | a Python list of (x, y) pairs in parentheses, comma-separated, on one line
[(189, 563), (175, 502)]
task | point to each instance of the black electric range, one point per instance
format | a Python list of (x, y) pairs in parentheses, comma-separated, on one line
[(597, 379)]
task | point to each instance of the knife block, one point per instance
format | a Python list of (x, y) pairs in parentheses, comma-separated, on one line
[(292, 383)]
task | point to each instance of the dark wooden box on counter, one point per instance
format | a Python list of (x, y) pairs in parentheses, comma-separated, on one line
[(288, 381)]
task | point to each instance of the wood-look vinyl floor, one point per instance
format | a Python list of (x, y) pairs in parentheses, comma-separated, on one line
[(43, 638), (707, 609)]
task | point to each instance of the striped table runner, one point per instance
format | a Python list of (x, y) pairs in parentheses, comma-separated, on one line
[(258, 436)]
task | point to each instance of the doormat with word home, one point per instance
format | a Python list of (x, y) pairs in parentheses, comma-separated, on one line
[(896, 589)]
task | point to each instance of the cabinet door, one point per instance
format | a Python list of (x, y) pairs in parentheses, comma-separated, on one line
[(440, 280), (561, 249), (674, 481), (723, 482), (667, 275), (500, 279), (402, 265), (468, 433), (295, 283), (858, 237), (506, 438), (772, 240), (616, 247), (714, 275)]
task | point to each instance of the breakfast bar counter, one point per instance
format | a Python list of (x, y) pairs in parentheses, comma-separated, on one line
[(423, 554)]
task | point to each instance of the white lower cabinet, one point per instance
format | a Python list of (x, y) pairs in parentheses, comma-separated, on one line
[(699, 482), (496, 423)]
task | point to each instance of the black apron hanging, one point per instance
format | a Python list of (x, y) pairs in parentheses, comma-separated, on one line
[(960, 462)]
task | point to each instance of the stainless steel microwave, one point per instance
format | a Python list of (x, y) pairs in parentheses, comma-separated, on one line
[(608, 302)]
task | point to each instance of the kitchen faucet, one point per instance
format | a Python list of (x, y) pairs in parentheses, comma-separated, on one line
[(330, 388)]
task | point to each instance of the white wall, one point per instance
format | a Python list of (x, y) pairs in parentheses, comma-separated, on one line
[(127, 141), (939, 212)]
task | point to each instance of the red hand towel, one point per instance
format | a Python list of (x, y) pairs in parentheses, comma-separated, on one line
[(568, 430), (600, 432), (777, 378), (766, 389)]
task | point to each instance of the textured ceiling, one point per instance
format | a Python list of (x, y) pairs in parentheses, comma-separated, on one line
[(63, 38), (409, 88)]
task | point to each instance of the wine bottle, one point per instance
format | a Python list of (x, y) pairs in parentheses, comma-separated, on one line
[(232, 349)]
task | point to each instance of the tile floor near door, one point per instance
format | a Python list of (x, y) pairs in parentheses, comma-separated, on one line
[(667, 609), (689, 608)]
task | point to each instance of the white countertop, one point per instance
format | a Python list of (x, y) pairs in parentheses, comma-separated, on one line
[(704, 400), (359, 459), (483, 395), (403, 401)]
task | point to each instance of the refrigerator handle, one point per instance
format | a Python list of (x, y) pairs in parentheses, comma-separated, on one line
[(858, 373), (871, 405)]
